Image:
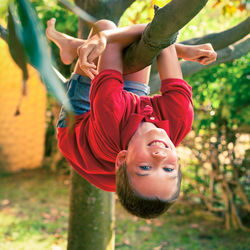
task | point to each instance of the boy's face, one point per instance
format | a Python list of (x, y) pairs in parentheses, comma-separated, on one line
[(152, 164)]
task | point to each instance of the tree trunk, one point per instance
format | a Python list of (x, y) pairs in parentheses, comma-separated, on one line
[(91, 220)]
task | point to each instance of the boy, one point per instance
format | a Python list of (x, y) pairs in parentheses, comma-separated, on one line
[(125, 138)]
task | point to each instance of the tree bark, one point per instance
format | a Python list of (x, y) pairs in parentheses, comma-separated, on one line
[(160, 33), (91, 219)]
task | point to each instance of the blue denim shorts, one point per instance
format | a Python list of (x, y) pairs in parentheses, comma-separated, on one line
[(78, 88)]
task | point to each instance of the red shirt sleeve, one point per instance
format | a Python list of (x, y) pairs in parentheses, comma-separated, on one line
[(175, 104)]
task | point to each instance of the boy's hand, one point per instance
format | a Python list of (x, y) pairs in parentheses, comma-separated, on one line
[(203, 53), (89, 51)]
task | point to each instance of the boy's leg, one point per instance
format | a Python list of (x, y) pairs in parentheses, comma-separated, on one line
[(79, 84), (102, 25), (68, 45), (136, 82)]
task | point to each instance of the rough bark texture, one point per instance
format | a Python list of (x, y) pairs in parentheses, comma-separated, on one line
[(91, 221)]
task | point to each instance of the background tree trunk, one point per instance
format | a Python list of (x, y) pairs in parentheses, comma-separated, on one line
[(91, 219)]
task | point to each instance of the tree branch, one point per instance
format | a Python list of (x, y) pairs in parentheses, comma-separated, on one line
[(159, 33), (225, 55), (222, 39)]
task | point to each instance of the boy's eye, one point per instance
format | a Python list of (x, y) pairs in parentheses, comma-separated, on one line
[(168, 169), (144, 167)]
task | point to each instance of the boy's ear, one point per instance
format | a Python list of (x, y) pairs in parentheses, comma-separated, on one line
[(120, 158)]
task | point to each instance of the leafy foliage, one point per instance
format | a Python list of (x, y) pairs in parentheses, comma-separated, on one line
[(15, 44), (138, 12), (218, 165), (222, 92), (230, 7), (33, 41)]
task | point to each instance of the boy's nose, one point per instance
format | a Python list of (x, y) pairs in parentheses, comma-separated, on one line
[(160, 154)]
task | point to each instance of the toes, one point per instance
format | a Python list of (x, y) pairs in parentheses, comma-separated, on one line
[(51, 22)]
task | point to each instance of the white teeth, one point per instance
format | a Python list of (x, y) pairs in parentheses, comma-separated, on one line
[(158, 144)]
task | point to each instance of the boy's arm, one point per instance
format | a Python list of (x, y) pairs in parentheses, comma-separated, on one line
[(175, 104), (202, 53)]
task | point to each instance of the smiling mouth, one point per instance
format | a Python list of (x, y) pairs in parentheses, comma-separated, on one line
[(158, 143)]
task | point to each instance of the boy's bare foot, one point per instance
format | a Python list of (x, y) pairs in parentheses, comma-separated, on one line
[(68, 45)]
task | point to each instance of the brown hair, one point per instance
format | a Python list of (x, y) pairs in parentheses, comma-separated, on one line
[(137, 204)]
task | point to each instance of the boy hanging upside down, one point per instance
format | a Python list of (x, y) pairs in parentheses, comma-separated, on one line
[(124, 140)]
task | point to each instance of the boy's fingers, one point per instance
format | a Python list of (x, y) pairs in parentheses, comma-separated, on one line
[(91, 76), (205, 53), (90, 72), (207, 58), (95, 53), (83, 53), (93, 56), (206, 61), (93, 71), (85, 64)]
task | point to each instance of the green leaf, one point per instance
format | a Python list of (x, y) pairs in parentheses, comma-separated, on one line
[(36, 47), (15, 46)]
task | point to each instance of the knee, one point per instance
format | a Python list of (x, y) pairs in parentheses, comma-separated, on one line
[(104, 24)]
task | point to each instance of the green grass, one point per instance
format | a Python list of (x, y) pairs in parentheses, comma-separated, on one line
[(34, 215)]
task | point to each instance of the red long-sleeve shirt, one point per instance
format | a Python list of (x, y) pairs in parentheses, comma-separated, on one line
[(115, 114)]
